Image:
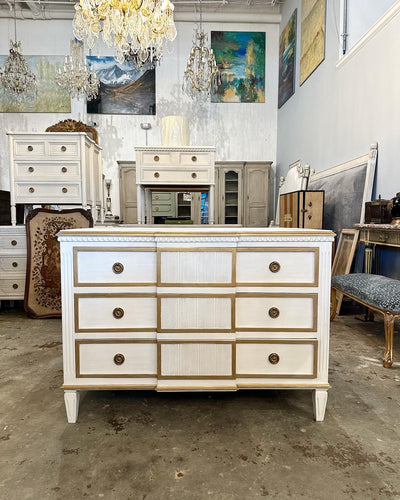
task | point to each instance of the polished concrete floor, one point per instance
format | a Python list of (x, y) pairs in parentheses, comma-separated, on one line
[(243, 445)]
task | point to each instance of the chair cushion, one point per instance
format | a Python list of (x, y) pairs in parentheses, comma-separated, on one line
[(373, 289)]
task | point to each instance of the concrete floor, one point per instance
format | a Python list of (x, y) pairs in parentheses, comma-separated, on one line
[(244, 445)]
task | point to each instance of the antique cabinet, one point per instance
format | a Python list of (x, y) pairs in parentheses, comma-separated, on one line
[(195, 308), (302, 209), (61, 168), (12, 262)]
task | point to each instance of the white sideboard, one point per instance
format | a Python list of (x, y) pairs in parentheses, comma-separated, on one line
[(12, 262), (175, 308), (61, 168), (170, 168)]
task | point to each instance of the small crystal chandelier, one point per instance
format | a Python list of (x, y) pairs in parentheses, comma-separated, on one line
[(139, 27), (17, 78), (201, 72), (76, 77)]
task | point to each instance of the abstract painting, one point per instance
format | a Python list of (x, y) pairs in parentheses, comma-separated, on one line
[(287, 60), (312, 36), (123, 89), (240, 57), (48, 98)]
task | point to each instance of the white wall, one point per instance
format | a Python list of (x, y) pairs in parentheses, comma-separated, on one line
[(239, 131), (338, 112)]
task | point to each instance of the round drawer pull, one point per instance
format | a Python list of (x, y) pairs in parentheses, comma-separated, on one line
[(156, 197), (63, 148), (31, 190), (274, 267), (119, 359), (156, 174), (64, 190), (31, 169), (30, 148), (14, 243), (157, 209), (15, 264), (118, 267), (64, 169), (118, 313), (194, 158), (194, 175), (274, 312), (156, 158), (15, 286), (273, 358)]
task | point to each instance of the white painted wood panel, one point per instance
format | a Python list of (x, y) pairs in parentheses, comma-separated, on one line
[(47, 192), (46, 170)]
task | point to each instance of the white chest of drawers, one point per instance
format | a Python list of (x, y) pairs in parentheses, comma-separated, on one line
[(195, 308), (55, 168), (12, 262)]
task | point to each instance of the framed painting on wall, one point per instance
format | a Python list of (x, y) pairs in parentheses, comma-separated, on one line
[(240, 57), (287, 60), (312, 36), (48, 98), (123, 90)]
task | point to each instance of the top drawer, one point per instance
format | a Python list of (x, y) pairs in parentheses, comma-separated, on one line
[(179, 176), (29, 148), (36, 149), (277, 266), (175, 158)]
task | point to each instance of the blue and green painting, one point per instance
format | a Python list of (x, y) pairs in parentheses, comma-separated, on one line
[(240, 57), (287, 60)]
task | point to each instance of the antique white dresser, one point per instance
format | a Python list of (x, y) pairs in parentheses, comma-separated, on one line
[(175, 308), (62, 168), (12, 262)]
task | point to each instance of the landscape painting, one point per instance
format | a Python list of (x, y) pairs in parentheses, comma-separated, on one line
[(48, 97), (240, 57), (312, 36), (287, 60), (123, 89)]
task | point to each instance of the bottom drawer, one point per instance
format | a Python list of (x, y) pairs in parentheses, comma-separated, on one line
[(191, 359), (119, 358), (280, 358), (12, 288)]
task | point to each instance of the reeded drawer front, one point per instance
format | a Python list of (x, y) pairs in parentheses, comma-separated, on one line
[(196, 360), (276, 312), (12, 288), (275, 267), (29, 148), (47, 192), (13, 240), (286, 358), (115, 312), (46, 171), (116, 358), (12, 264), (114, 267), (177, 176), (195, 267), (193, 313)]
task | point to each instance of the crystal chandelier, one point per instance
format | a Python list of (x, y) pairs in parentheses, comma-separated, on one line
[(201, 72), (137, 27), (17, 78), (76, 77)]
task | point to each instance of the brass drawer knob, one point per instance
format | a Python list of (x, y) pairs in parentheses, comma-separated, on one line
[(273, 358), (194, 158), (14, 243), (273, 312), (156, 158), (15, 286), (119, 359), (30, 148), (31, 190), (156, 174), (118, 313), (194, 175), (64, 190), (157, 209), (64, 169), (31, 169), (156, 197), (118, 267), (274, 266), (63, 148), (15, 264)]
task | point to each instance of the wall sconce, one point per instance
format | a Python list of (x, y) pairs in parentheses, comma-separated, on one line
[(108, 199)]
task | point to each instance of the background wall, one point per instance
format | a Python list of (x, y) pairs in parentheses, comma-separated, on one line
[(239, 131)]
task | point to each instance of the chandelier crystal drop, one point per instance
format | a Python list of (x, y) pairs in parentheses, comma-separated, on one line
[(76, 77), (137, 27)]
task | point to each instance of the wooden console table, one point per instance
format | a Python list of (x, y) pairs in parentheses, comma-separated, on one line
[(374, 236)]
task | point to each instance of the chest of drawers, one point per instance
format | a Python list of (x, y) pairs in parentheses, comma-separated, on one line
[(195, 308), (55, 168), (12, 262)]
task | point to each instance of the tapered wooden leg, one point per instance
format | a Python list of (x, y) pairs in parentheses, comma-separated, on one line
[(389, 329), (333, 303), (320, 398), (71, 399)]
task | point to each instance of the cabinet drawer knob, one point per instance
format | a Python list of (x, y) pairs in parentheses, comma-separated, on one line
[(273, 312), (31, 169), (30, 148), (274, 267), (194, 158), (119, 359), (15, 264), (118, 313), (194, 175), (31, 190), (14, 243), (156, 158), (273, 358), (156, 197), (157, 209), (156, 174), (118, 267), (64, 169), (64, 190), (15, 286), (63, 148)]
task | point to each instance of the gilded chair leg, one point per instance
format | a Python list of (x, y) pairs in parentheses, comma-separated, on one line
[(389, 329), (333, 303)]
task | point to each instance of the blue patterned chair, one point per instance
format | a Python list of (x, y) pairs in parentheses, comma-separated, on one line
[(378, 293)]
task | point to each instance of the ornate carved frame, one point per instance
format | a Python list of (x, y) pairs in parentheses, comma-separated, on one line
[(74, 126)]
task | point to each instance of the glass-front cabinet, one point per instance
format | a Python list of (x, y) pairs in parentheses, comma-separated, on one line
[(230, 182)]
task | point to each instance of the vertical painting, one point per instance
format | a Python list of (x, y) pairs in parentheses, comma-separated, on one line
[(312, 36), (240, 57), (48, 98), (287, 60), (123, 90)]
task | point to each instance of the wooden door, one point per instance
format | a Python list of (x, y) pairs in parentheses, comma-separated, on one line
[(127, 191), (256, 189)]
